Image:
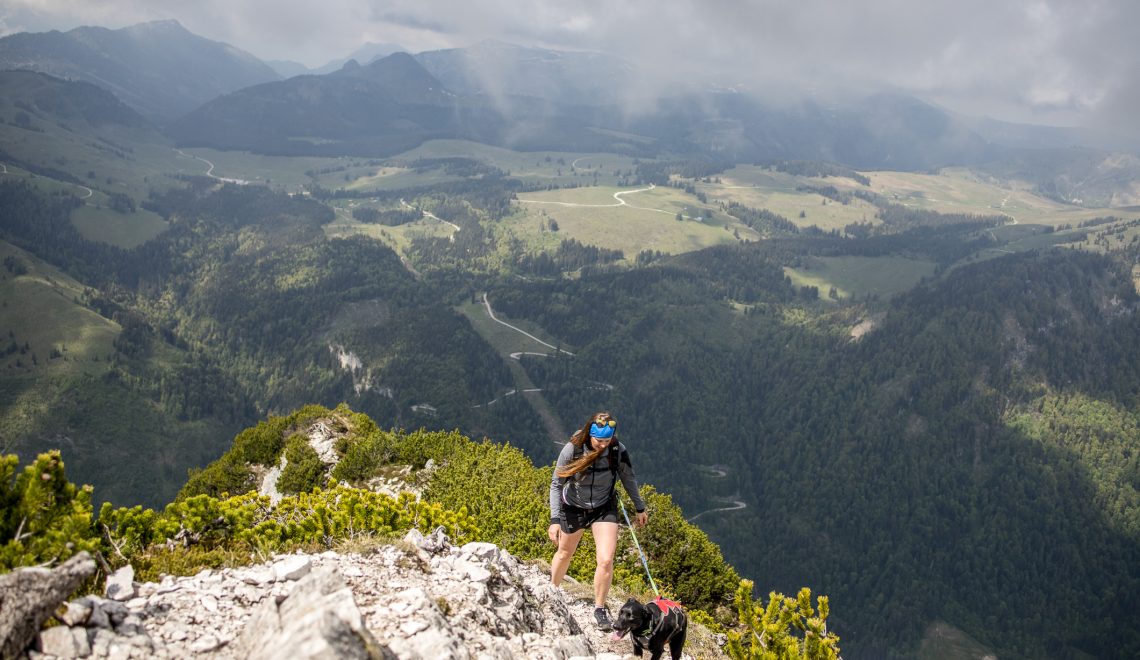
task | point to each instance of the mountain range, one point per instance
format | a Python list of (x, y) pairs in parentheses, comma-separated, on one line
[(159, 68), (523, 98), (363, 55)]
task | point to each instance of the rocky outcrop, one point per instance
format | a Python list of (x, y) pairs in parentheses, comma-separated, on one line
[(318, 619), (29, 596), (421, 598)]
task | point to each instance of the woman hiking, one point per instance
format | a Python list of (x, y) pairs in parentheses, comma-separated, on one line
[(582, 494)]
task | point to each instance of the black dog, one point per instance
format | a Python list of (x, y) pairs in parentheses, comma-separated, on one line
[(652, 625)]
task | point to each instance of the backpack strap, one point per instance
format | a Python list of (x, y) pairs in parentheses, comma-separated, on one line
[(613, 456)]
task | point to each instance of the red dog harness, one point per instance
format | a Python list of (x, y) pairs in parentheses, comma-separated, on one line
[(664, 604)]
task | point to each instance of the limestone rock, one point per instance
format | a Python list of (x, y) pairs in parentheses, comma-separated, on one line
[(417, 600), (293, 567), (65, 642), (28, 596), (77, 613), (121, 584), (318, 619)]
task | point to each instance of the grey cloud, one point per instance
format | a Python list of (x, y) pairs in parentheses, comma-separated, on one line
[(1045, 60)]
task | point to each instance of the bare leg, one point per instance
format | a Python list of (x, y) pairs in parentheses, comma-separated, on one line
[(567, 544), (605, 538)]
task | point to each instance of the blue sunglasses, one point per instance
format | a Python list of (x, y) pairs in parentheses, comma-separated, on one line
[(603, 430)]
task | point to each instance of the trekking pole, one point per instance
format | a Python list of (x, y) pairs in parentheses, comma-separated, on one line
[(639, 552)]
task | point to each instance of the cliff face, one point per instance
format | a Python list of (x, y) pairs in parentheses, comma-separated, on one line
[(421, 598)]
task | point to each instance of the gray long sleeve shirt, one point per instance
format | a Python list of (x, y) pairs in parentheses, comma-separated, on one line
[(592, 487)]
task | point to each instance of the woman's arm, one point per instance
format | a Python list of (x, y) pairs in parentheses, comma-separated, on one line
[(629, 482), (557, 482)]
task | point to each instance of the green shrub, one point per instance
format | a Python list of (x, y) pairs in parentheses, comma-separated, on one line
[(504, 493), (223, 476), (362, 460), (250, 523), (303, 467), (785, 629), (44, 517), (417, 447), (261, 444)]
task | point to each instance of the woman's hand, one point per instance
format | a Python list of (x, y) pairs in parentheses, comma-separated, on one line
[(642, 518), (554, 531)]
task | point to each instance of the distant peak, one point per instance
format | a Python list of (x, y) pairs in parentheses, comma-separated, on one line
[(398, 57), (163, 25)]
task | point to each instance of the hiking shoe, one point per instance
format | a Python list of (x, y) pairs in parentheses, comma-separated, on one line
[(602, 616)]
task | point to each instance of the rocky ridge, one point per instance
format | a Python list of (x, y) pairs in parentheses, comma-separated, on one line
[(422, 598)]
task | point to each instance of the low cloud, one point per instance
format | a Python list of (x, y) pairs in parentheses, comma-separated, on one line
[(1048, 61)]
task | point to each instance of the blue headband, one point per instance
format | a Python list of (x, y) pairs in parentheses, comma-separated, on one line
[(602, 431)]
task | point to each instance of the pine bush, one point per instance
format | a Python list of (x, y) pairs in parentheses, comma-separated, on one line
[(44, 517)]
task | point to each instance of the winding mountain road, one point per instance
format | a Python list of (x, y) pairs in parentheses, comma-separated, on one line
[(549, 418), (491, 313), (736, 505), (719, 472), (619, 196), (210, 169), (429, 214), (89, 192)]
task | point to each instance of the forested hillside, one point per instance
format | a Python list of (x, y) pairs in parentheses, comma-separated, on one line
[(244, 307), (972, 459)]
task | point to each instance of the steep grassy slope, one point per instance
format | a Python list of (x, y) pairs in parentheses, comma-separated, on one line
[(77, 138)]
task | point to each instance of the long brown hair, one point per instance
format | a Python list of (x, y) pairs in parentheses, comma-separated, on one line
[(581, 437)]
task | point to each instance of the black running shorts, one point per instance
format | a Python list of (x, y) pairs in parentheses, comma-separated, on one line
[(574, 519)]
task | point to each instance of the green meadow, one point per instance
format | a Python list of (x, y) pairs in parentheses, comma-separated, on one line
[(759, 188), (126, 230), (39, 309), (534, 166), (857, 277), (288, 172), (959, 190), (953, 190), (94, 220), (395, 178), (398, 238), (117, 160), (646, 220)]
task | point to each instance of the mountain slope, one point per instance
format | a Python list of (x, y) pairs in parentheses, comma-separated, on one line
[(534, 99), (65, 378), (92, 145), (160, 69), (388, 106)]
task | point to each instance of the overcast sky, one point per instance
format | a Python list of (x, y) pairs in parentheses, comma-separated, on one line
[(1061, 62)]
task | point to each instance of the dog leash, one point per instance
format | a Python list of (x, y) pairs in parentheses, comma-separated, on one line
[(639, 552)]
